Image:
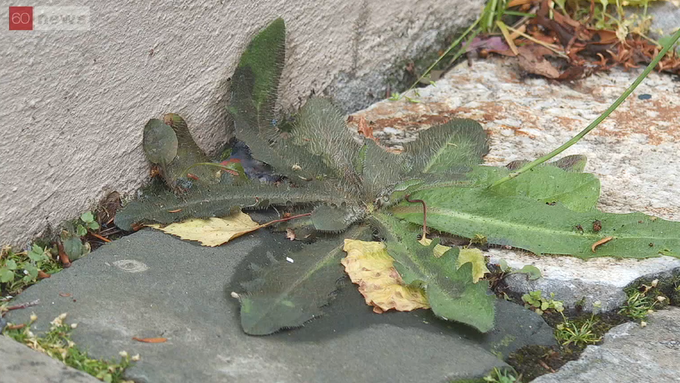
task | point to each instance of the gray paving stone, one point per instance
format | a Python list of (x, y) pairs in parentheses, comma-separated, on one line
[(150, 284), (20, 364), (630, 353)]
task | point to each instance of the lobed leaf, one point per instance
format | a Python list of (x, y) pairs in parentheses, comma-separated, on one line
[(287, 294), (214, 201), (540, 228), (450, 289)]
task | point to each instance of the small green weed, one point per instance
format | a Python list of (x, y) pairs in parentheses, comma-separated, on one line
[(501, 376), (642, 301), (19, 270), (57, 343), (536, 301), (571, 332), (86, 222)]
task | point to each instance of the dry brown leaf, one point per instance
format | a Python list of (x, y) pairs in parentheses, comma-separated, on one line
[(214, 231), (536, 64), (65, 295), (369, 266), (150, 340)]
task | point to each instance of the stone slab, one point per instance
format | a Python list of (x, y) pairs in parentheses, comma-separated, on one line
[(20, 364), (150, 284), (629, 353)]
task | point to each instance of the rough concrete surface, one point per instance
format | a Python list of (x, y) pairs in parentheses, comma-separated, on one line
[(629, 353), (74, 102), (150, 284), (633, 153), (20, 364)]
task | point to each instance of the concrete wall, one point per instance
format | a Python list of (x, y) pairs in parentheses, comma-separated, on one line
[(73, 103)]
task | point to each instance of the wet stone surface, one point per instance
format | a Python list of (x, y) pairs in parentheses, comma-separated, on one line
[(150, 284)]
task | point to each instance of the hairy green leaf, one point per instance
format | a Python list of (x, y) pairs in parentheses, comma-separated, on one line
[(336, 218), (548, 184), (540, 228), (253, 98), (215, 201), (381, 170), (256, 79), (159, 142), (448, 148), (321, 129), (289, 293), (450, 290)]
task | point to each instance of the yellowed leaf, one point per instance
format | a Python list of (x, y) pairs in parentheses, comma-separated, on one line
[(439, 250), (369, 265), (214, 231), (475, 257)]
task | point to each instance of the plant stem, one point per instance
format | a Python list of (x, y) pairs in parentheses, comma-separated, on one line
[(285, 219), (597, 121), (424, 213)]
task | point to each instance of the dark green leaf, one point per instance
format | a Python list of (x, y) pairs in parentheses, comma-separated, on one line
[(256, 79), (73, 247), (321, 129), (450, 290), (336, 219), (448, 148), (159, 142), (188, 154), (542, 229), (548, 184), (215, 201), (381, 170), (287, 294)]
